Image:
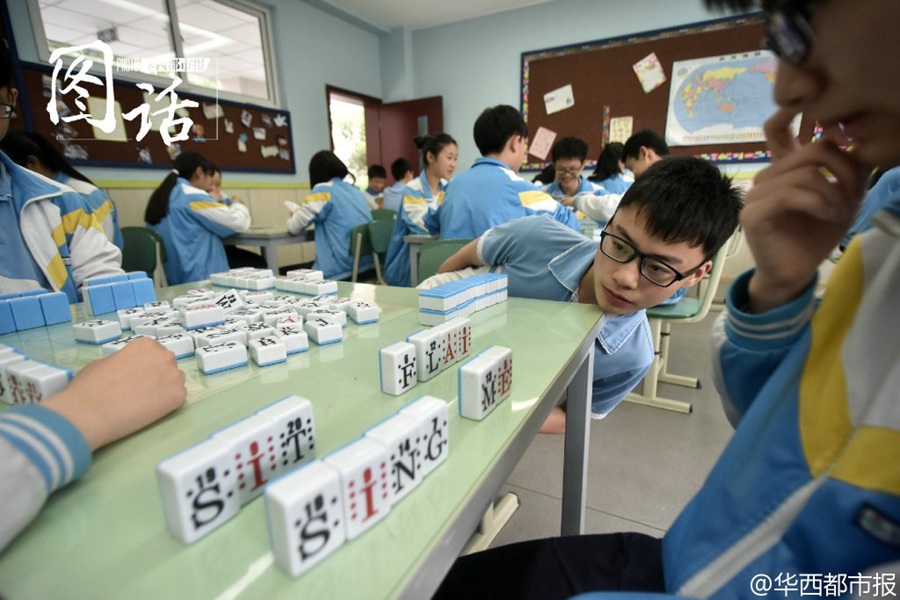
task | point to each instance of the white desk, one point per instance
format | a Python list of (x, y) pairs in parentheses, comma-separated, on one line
[(267, 238)]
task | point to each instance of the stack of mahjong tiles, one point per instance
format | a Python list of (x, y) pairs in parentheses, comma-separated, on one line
[(35, 308), (461, 298), (245, 278), (423, 355), (117, 292), (223, 330), (24, 380), (306, 281)]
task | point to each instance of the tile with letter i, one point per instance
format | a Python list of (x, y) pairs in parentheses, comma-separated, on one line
[(197, 487), (294, 431), (402, 436), (365, 487), (397, 368), (431, 413), (305, 516), (253, 456), (463, 337)]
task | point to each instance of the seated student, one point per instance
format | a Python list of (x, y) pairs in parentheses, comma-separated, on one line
[(377, 181), (546, 176), (420, 196), (33, 211), (667, 227), (237, 257), (191, 222), (491, 192), (336, 207), (403, 173), (569, 155), (35, 152), (610, 170), (44, 447), (641, 150)]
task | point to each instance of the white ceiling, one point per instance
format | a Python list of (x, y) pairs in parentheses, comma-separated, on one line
[(418, 14)]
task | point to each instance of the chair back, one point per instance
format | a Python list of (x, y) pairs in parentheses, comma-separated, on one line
[(383, 213), (434, 253), (691, 310), (380, 231), (143, 250)]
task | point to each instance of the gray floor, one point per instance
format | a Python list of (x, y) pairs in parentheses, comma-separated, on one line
[(645, 463)]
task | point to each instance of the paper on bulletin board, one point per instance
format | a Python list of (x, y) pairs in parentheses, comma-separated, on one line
[(541, 143), (649, 72), (212, 111), (620, 128), (559, 99), (97, 106)]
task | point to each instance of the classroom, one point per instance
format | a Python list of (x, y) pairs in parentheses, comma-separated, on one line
[(301, 410)]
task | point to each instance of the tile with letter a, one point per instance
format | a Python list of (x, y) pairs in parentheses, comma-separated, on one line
[(253, 455), (397, 364), (402, 436), (198, 490), (431, 413), (294, 431), (365, 488), (305, 516)]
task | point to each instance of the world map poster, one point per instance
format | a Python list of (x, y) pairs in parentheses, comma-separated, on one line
[(721, 99)]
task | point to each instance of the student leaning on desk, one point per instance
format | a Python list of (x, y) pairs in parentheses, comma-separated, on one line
[(34, 210)]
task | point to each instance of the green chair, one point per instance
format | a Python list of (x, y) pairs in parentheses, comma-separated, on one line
[(380, 231), (434, 253), (383, 213), (143, 251)]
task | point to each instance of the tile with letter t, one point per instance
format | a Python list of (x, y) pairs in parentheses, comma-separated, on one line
[(365, 487), (305, 516), (198, 490), (431, 413), (402, 436), (294, 431)]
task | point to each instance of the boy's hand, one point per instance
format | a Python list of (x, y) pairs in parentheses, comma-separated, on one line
[(797, 211), (122, 393)]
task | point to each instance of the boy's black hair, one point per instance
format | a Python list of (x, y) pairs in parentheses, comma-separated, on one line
[(495, 125), (608, 162), (19, 146), (325, 166), (377, 171), (184, 166), (647, 138), (569, 147), (6, 66), (686, 199), (400, 167)]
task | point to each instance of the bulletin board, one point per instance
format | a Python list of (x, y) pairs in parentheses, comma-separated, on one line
[(605, 86), (234, 136)]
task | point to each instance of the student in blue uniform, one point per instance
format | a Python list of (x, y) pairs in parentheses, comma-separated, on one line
[(884, 188), (35, 152), (569, 155), (336, 207), (610, 170), (191, 222), (668, 226), (491, 192), (377, 180), (403, 173), (49, 236), (237, 257), (420, 197)]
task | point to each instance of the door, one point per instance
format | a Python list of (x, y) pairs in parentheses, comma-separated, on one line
[(392, 126)]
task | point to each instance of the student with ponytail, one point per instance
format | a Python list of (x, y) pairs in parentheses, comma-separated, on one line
[(420, 197), (192, 223)]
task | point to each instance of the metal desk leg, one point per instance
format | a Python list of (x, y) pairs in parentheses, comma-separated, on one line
[(578, 430), (414, 265), (270, 251)]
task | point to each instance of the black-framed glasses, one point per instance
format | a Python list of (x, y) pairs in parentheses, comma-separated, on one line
[(569, 171), (654, 270), (6, 110), (789, 34)]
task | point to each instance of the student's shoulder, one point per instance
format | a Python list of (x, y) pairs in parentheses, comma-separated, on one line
[(82, 187), (33, 184)]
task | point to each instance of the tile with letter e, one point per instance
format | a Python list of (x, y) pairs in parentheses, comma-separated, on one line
[(365, 483)]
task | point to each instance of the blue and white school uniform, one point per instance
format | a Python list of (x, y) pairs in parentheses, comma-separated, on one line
[(616, 184), (336, 207), (393, 197), (417, 203), (372, 198), (489, 194), (193, 230), (546, 260), (102, 206), (585, 186), (49, 237)]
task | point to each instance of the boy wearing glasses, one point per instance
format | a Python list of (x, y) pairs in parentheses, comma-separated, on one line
[(491, 192), (569, 155), (667, 227), (49, 236), (805, 500)]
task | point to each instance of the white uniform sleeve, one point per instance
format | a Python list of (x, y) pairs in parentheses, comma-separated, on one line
[(91, 252), (307, 211), (599, 208), (22, 492), (234, 217)]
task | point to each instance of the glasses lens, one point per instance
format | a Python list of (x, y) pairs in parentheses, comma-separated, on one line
[(657, 272), (617, 249), (788, 35)]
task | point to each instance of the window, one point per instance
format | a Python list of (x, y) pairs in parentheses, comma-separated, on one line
[(234, 33), (348, 133)]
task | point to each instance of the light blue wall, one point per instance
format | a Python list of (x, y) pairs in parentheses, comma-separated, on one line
[(312, 47), (475, 64)]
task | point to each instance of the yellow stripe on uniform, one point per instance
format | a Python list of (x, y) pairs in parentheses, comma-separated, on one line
[(533, 197), (204, 205), (78, 218), (414, 200), (58, 272), (318, 197), (825, 420), (102, 211), (867, 461)]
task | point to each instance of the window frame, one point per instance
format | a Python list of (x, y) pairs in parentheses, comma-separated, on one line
[(262, 13)]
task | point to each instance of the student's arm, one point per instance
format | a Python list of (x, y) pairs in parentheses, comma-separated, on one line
[(306, 212), (90, 251), (45, 447), (413, 211), (467, 256), (600, 207), (221, 219)]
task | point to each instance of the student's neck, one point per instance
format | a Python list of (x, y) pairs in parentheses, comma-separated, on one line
[(506, 158), (586, 292), (572, 187), (434, 182)]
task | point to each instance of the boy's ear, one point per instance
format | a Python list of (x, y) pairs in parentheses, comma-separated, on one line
[(699, 273)]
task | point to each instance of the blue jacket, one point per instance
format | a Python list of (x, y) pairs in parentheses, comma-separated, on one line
[(417, 202), (193, 230), (488, 194), (102, 206), (336, 207), (887, 188)]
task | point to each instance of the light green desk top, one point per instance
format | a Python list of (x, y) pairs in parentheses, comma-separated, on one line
[(104, 536)]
